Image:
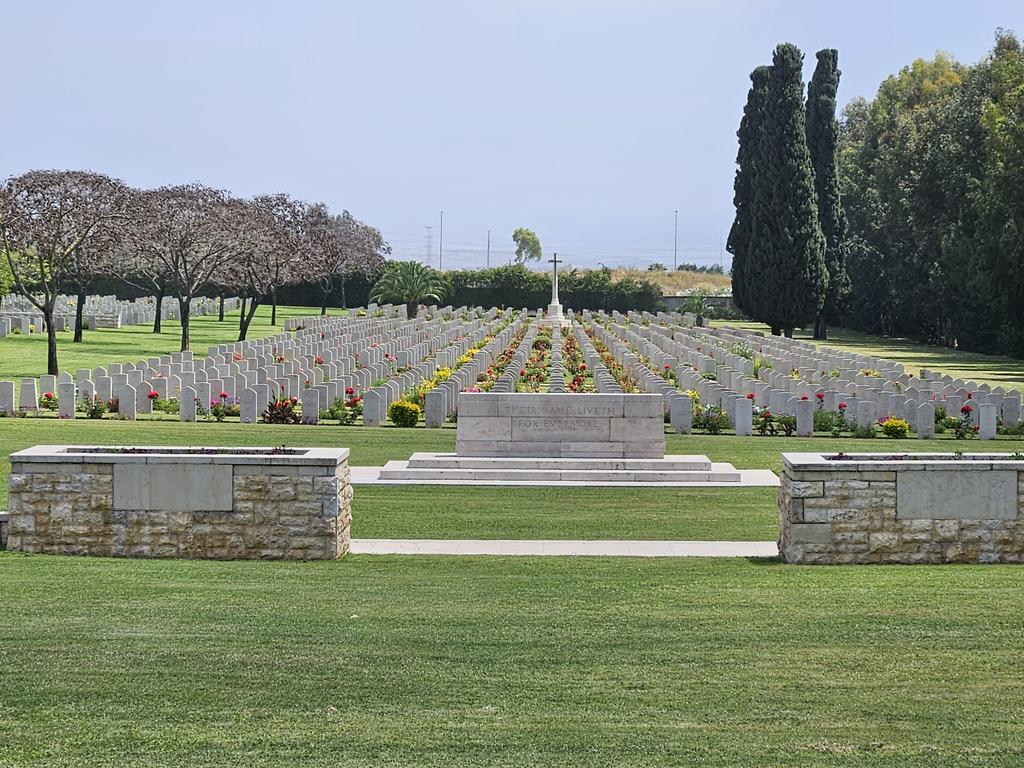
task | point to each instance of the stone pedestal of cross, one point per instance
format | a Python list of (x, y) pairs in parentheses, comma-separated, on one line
[(554, 314)]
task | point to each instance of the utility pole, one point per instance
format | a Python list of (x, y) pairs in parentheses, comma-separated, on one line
[(440, 247), (488, 249), (675, 244)]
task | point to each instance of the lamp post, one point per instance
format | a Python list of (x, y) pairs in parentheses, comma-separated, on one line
[(675, 244)]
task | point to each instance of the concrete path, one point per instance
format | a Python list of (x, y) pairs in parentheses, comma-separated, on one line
[(749, 478), (557, 547)]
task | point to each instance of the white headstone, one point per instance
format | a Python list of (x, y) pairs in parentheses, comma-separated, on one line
[(66, 400)]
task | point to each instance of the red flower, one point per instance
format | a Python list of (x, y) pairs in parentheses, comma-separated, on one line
[(750, 396), (804, 397), (48, 395), (668, 367), (224, 395), (842, 406), (153, 394), (965, 408), (820, 395), (293, 400), (349, 391)]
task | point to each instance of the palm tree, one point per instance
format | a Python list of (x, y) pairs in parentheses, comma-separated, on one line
[(409, 283), (697, 304)]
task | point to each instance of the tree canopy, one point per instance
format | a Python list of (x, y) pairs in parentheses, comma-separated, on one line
[(931, 173), (527, 245)]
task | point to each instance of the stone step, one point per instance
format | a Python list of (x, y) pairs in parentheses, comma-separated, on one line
[(679, 463), (399, 472)]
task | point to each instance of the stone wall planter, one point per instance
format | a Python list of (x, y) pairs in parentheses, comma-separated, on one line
[(906, 508), (194, 503)]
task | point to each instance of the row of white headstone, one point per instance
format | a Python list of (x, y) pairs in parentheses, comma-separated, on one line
[(795, 378), (19, 315), (382, 356)]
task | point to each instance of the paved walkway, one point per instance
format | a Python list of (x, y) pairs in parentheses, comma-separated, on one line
[(554, 547), (749, 478)]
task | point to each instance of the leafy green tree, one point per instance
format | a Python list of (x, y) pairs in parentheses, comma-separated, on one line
[(747, 158), (6, 278), (527, 245), (822, 137), (786, 264), (657, 266), (999, 237), (409, 283)]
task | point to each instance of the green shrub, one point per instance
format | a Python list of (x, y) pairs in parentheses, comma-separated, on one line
[(402, 413), (282, 411), (892, 427), (711, 419), (865, 432)]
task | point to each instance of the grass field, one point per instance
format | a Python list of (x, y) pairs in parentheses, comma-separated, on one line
[(678, 282), (374, 661), (431, 661), (22, 356), (995, 370)]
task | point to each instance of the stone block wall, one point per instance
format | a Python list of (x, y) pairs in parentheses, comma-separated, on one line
[(176, 504), (881, 509), (561, 425)]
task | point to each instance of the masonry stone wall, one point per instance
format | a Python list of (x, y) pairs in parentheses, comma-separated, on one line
[(563, 425), (176, 504), (881, 509)]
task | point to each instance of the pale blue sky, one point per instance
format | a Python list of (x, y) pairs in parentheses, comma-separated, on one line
[(589, 122)]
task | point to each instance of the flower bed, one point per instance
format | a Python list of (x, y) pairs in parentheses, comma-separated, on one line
[(902, 508)]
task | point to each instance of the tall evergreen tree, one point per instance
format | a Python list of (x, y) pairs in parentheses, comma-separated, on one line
[(786, 265), (822, 137), (749, 135)]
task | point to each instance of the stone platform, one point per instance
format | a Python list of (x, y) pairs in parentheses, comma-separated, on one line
[(452, 469)]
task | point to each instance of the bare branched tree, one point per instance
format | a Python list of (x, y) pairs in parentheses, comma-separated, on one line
[(187, 233), (350, 247), (55, 224)]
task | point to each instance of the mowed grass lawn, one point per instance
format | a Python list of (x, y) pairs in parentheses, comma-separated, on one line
[(22, 356), (386, 661)]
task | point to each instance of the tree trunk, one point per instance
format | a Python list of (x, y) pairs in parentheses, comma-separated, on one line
[(344, 301), (273, 308), (79, 311), (788, 332), (323, 307), (159, 308), (185, 307), (241, 317), (243, 324), (51, 342), (220, 315), (411, 308), (820, 327), (776, 331)]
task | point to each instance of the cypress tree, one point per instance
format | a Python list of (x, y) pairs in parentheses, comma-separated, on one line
[(749, 135), (785, 272), (822, 136)]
